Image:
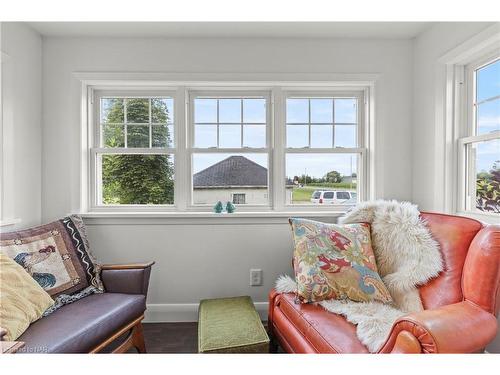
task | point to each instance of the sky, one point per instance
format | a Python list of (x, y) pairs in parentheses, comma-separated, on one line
[(326, 118), (488, 114)]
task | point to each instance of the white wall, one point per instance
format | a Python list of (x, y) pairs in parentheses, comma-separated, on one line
[(428, 108), (204, 260), (22, 125), (428, 126)]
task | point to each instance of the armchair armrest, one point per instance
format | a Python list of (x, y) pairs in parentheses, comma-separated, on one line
[(126, 278), (459, 328)]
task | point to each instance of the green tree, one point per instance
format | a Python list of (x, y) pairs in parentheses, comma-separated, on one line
[(333, 176), (488, 189), (136, 179)]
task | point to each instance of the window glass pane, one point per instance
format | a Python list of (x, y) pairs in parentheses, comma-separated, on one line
[(322, 111), (254, 111), (138, 136), (137, 110), (321, 136), (345, 111), (230, 110), (162, 135), (484, 175), (162, 110), (345, 136), (205, 110), (297, 136), (488, 81), (205, 136), (112, 110), (328, 195), (309, 173), (229, 136), (239, 198), (113, 135), (254, 136), (297, 110), (218, 176), (488, 116), (137, 179)]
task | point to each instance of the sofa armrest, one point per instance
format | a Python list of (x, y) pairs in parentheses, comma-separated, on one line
[(459, 328), (126, 278)]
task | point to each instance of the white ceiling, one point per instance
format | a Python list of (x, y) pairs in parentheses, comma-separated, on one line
[(385, 30)]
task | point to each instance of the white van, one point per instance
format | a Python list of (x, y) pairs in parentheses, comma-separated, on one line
[(333, 197)]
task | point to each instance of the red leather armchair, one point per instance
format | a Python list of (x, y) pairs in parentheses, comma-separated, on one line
[(461, 304)]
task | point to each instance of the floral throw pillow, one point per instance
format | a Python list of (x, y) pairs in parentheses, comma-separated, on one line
[(335, 262), (56, 255)]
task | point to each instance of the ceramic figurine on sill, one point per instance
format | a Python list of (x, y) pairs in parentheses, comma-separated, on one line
[(218, 208), (230, 208)]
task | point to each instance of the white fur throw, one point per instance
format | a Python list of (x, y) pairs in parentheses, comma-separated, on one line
[(406, 255)]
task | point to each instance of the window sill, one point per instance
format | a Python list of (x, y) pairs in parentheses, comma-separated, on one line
[(199, 218), (9, 222), (483, 217)]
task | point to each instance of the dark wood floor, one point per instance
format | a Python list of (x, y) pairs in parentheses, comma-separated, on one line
[(171, 337)]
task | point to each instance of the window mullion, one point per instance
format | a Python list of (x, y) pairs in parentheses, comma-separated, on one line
[(182, 121), (125, 128), (277, 119)]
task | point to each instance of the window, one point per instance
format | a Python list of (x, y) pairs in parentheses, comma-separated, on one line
[(134, 150), (239, 198), (343, 195), (261, 148), (230, 151), (324, 144), (480, 148)]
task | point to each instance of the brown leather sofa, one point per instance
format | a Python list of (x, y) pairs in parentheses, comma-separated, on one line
[(461, 304), (93, 324)]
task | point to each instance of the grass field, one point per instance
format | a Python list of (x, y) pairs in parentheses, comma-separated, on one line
[(303, 194)]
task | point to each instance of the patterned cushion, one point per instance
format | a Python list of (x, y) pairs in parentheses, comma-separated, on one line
[(56, 255), (335, 262)]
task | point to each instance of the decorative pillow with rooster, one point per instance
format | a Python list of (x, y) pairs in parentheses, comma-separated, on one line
[(56, 255), (335, 262)]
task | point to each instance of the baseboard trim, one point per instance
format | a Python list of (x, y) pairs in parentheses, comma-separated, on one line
[(185, 312)]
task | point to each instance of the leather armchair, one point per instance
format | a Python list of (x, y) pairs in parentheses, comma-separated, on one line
[(461, 304)]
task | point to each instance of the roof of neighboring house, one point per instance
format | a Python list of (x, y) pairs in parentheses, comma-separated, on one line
[(233, 171)]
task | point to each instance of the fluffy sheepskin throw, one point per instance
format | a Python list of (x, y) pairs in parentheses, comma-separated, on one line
[(406, 255)]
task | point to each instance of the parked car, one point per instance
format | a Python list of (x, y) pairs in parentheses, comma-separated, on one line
[(333, 197)]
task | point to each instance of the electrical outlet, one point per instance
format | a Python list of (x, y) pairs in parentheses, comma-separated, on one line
[(255, 277)]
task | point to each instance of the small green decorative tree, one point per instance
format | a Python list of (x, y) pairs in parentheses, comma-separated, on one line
[(230, 208), (218, 208)]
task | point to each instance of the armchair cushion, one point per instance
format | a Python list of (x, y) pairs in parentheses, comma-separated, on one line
[(81, 326)]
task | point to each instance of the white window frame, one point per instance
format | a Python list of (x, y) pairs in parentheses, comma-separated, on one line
[(466, 183), (361, 133), (452, 127), (180, 89), (226, 93), (97, 148)]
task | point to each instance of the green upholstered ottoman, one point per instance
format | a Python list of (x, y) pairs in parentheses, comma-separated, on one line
[(230, 325)]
